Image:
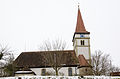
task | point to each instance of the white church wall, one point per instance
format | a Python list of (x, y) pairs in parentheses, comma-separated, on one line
[(84, 51), (79, 42), (77, 36), (37, 71), (62, 71), (24, 75), (65, 70)]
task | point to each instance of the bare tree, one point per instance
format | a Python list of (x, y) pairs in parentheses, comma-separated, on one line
[(6, 60), (4, 52), (101, 64), (9, 67), (2, 64), (114, 69), (55, 58), (51, 73), (54, 45)]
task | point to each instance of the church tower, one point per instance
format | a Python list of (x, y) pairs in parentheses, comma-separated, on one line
[(81, 39)]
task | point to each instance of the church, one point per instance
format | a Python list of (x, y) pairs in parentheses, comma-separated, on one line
[(72, 62)]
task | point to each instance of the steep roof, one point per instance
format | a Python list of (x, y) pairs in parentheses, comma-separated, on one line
[(83, 62), (66, 58), (40, 58), (80, 28)]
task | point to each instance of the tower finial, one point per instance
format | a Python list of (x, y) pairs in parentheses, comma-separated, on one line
[(78, 4)]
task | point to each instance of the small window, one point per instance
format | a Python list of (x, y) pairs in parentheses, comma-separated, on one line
[(82, 42), (43, 72), (70, 71)]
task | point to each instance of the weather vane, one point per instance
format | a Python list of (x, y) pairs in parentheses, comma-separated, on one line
[(78, 4)]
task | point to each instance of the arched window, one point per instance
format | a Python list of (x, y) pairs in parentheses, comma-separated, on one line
[(69, 71), (43, 72), (82, 42)]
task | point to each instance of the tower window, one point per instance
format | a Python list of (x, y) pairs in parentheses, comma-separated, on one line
[(82, 42)]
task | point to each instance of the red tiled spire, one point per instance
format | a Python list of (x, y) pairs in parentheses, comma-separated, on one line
[(80, 28)]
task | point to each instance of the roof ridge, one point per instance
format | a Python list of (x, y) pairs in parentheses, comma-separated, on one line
[(51, 51)]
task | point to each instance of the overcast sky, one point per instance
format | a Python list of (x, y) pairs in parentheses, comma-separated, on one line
[(25, 24)]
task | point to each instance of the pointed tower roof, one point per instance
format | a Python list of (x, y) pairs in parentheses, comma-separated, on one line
[(80, 28)]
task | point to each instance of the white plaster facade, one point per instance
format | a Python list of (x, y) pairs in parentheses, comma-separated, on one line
[(82, 49), (62, 71)]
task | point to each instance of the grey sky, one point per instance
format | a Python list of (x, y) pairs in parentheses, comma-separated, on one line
[(24, 24)]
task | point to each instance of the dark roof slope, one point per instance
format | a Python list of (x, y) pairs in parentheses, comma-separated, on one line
[(43, 58)]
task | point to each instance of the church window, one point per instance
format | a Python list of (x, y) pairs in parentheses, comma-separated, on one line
[(43, 72), (82, 42), (70, 71)]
